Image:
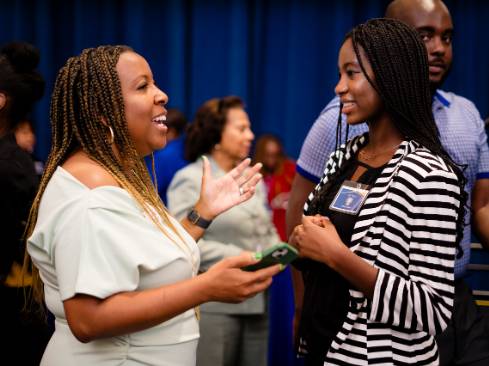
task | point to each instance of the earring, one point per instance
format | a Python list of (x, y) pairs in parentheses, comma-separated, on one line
[(217, 147), (111, 139)]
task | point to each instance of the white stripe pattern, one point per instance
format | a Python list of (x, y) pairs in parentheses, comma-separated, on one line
[(406, 229)]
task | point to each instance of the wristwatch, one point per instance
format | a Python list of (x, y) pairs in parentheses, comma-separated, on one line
[(195, 218)]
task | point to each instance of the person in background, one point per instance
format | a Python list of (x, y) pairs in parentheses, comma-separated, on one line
[(118, 272), (20, 87), (463, 136), (278, 172), (25, 136), (176, 122), (383, 226), (170, 159), (221, 131)]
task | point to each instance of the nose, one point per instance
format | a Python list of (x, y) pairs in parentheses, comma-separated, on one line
[(341, 87), (437, 46), (250, 136), (161, 97)]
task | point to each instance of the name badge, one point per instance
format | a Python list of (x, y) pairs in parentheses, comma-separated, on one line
[(350, 197)]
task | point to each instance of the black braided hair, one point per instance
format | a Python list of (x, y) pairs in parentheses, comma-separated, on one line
[(399, 62)]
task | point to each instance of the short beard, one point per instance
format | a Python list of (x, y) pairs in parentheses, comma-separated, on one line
[(437, 85)]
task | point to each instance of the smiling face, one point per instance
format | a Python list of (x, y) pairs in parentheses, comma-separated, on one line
[(143, 103), (236, 136), (361, 102)]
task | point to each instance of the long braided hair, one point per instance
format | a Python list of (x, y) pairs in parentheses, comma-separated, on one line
[(399, 61), (86, 101)]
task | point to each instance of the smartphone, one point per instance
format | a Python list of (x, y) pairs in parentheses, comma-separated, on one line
[(280, 253)]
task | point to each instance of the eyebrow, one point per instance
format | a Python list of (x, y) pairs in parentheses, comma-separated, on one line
[(428, 28), (350, 63), (138, 78)]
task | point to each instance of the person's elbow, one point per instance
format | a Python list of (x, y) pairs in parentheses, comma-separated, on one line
[(81, 315), (83, 331)]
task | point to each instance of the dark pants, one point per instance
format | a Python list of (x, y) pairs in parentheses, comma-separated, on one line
[(24, 336), (466, 339)]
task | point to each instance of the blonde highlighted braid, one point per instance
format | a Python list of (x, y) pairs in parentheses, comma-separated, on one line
[(86, 101)]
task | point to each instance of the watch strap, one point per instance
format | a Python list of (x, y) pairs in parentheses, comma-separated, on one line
[(194, 217)]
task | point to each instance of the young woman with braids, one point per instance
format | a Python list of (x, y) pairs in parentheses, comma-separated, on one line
[(117, 271), (383, 225)]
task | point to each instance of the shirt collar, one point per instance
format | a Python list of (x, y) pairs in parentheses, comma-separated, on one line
[(440, 98)]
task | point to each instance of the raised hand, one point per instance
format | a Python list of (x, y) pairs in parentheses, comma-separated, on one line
[(237, 186)]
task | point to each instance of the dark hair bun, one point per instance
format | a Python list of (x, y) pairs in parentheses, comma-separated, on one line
[(20, 80), (23, 57)]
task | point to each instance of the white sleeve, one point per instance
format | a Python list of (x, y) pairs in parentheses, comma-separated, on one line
[(423, 300), (96, 251)]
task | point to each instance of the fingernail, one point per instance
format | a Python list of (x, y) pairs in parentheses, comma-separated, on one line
[(257, 255)]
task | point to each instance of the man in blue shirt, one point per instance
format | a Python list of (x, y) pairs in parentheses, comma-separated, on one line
[(463, 136)]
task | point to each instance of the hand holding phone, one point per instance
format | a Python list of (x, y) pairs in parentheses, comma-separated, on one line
[(281, 253)]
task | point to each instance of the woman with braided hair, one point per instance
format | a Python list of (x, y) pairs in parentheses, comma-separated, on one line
[(381, 229), (116, 270)]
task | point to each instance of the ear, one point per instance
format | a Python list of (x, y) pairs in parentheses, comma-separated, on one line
[(3, 100)]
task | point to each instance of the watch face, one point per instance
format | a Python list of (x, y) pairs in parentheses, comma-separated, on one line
[(195, 219), (193, 216)]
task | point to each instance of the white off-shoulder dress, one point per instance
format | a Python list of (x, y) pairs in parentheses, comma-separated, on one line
[(99, 242)]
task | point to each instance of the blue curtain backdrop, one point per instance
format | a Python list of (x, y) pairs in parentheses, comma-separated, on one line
[(280, 56)]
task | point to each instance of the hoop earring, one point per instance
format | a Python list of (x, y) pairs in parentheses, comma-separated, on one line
[(110, 141)]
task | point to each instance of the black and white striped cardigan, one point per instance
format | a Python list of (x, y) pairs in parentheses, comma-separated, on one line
[(407, 229)]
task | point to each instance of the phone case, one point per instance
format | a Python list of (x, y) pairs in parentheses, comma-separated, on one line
[(281, 253)]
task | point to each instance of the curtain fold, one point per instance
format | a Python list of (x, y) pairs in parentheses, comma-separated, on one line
[(279, 56)]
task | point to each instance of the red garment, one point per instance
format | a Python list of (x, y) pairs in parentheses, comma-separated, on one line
[(278, 187)]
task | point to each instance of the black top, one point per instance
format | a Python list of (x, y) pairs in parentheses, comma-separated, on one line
[(326, 292), (18, 184)]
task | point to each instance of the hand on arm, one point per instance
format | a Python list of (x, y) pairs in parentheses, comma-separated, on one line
[(91, 318)]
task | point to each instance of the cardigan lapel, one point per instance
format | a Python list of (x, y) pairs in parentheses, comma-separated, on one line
[(371, 211), (368, 229)]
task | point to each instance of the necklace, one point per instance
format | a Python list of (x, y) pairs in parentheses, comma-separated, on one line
[(367, 157)]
